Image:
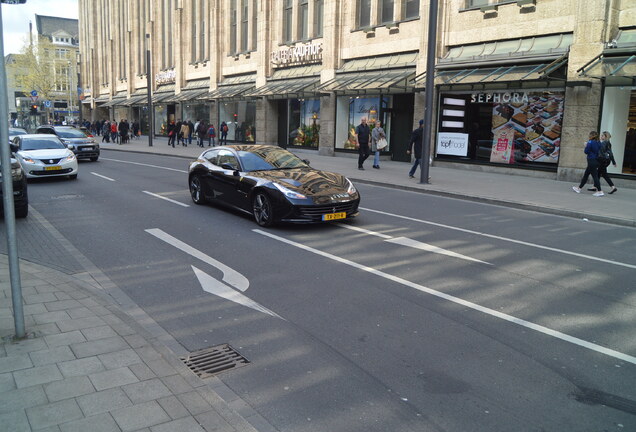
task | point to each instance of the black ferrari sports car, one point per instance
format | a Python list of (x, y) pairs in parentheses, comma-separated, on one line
[(272, 184)]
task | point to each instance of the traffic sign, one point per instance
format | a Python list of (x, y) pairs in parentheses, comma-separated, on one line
[(34, 98), (47, 104), (34, 93)]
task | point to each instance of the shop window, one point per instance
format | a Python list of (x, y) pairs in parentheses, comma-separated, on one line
[(304, 122), (353, 109), (240, 118), (619, 119), (288, 13), (386, 11), (411, 9), (364, 13), (519, 128)]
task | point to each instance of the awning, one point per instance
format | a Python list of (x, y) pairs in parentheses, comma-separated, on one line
[(617, 63), (230, 91), (287, 88), (87, 100), (133, 100), (102, 99), (115, 101), (191, 95), (162, 93), (385, 81)]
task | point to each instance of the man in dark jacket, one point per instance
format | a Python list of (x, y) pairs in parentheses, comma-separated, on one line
[(363, 133), (416, 147)]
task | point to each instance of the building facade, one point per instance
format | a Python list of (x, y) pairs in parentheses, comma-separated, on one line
[(518, 84)]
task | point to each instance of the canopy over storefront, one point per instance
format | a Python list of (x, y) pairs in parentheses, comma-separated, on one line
[(233, 87), (297, 82), (616, 65)]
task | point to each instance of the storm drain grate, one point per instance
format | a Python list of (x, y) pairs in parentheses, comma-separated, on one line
[(212, 361)]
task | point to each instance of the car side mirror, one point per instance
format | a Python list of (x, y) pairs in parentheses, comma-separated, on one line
[(228, 166), (14, 147)]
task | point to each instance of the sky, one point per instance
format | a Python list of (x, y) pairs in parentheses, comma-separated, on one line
[(15, 19)]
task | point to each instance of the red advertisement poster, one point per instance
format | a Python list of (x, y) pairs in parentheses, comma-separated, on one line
[(502, 146)]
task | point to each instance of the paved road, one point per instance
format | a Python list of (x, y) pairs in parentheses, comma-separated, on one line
[(427, 313)]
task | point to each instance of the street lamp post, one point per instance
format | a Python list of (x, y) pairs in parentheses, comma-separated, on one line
[(68, 75), (149, 88), (429, 90)]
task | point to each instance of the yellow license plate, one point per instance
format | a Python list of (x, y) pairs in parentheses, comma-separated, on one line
[(334, 216), (52, 168)]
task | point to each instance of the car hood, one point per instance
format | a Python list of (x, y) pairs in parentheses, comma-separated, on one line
[(45, 154), (309, 182), (78, 140)]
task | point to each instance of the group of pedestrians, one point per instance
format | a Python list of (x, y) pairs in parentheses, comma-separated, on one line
[(182, 132), (599, 156), (117, 132)]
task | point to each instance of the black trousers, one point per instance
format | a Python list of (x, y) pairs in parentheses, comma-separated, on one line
[(363, 152), (592, 168), (602, 172)]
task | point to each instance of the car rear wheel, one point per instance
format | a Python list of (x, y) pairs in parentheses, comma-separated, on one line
[(196, 190), (263, 210)]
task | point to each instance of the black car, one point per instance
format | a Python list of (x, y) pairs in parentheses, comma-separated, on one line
[(20, 194), (84, 147), (272, 184)]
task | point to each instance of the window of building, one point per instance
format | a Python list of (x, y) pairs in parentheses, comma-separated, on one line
[(203, 30), (318, 17), (61, 53), (240, 118), (288, 13), (304, 122), (233, 26), (244, 24), (386, 11), (364, 13), (254, 24), (303, 19), (167, 51), (142, 19), (411, 9)]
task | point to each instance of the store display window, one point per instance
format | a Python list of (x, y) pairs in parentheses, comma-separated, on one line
[(619, 119), (513, 128), (304, 122), (240, 117), (351, 110), (196, 111)]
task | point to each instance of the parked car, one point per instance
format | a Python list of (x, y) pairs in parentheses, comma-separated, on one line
[(16, 131), (84, 147), (20, 193), (272, 184), (44, 156)]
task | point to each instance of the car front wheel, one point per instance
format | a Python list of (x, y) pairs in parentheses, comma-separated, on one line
[(263, 210), (94, 159), (196, 190), (21, 211)]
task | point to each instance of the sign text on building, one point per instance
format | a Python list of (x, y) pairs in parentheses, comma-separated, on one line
[(310, 52), (166, 77), (507, 97)]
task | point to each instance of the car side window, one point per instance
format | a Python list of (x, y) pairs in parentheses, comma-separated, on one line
[(212, 156), (45, 131), (227, 157)]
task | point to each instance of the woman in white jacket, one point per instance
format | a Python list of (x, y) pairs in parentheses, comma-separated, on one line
[(376, 134)]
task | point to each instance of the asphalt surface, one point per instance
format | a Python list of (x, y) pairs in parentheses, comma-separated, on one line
[(370, 332)]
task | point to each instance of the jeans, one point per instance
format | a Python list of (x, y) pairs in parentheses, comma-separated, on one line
[(592, 168), (415, 165), (211, 141), (602, 173), (363, 152), (376, 158)]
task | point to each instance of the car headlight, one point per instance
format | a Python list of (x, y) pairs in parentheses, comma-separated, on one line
[(351, 189), (28, 159), (70, 146), (288, 192), (69, 158)]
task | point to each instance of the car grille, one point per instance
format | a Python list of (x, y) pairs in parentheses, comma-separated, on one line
[(50, 161), (47, 173), (319, 210)]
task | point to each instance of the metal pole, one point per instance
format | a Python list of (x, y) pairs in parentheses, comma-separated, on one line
[(7, 197), (149, 88), (429, 90)]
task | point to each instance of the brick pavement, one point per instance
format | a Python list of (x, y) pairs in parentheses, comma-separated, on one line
[(87, 365)]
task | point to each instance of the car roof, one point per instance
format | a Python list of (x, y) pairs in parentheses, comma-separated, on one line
[(249, 147), (28, 136)]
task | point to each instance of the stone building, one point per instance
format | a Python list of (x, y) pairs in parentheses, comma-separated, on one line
[(518, 83)]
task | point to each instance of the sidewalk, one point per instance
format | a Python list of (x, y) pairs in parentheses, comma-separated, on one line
[(87, 366), (518, 191)]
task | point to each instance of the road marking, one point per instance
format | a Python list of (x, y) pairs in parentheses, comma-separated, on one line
[(230, 276), (404, 241), (104, 177), (144, 164), (589, 257), (218, 288), (539, 328), (167, 199)]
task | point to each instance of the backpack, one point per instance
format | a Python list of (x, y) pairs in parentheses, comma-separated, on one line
[(211, 131), (225, 128), (604, 154)]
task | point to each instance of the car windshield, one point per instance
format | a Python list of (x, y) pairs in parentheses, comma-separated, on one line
[(269, 159), (41, 144), (70, 133)]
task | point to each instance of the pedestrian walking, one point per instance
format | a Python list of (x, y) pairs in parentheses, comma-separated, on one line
[(201, 131), (113, 131), (605, 158), (224, 130), (191, 131), (172, 133), (135, 129), (415, 147), (377, 135), (592, 149), (211, 135), (106, 131), (363, 133), (123, 131), (184, 133)]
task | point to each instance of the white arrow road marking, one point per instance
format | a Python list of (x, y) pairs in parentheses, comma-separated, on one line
[(167, 199), (404, 241), (218, 288), (538, 246), (104, 177), (230, 276), (539, 328)]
